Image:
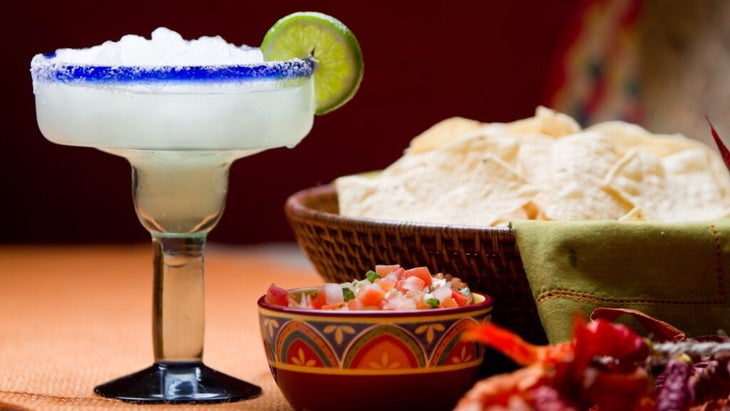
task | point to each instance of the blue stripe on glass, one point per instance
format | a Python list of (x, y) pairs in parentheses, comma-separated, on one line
[(278, 70)]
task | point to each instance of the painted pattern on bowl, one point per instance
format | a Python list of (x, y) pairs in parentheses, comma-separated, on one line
[(362, 348), (371, 342)]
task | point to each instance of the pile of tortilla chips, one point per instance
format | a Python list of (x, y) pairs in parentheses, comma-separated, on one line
[(465, 172)]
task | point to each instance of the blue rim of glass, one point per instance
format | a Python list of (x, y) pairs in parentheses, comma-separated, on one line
[(275, 70)]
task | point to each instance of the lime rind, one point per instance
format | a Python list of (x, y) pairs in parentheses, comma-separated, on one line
[(333, 47)]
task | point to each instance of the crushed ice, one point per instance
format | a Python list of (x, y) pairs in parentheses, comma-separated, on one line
[(164, 48)]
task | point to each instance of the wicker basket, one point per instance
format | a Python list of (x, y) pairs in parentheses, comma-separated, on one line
[(342, 249)]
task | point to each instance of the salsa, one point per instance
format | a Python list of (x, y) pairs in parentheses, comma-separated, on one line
[(387, 287)]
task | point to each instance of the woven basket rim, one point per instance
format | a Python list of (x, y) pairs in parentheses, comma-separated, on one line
[(296, 205)]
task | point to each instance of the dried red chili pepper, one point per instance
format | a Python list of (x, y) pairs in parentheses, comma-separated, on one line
[(724, 152), (571, 373), (615, 390), (547, 398), (606, 367), (673, 387), (606, 339), (519, 350), (711, 379)]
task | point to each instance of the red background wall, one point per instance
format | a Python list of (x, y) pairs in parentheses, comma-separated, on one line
[(424, 61)]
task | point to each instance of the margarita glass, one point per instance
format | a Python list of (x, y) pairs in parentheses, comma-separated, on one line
[(180, 127)]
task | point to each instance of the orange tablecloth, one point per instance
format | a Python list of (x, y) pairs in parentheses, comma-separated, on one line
[(72, 317)]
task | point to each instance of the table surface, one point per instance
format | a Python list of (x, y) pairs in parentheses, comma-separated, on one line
[(72, 317)]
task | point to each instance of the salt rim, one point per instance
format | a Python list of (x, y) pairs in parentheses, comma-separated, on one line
[(44, 68), (165, 58)]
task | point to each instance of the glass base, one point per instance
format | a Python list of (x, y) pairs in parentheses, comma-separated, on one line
[(178, 383)]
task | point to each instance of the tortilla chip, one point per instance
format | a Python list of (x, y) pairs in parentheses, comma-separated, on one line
[(546, 122), (627, 137), (374, 198), (464, 172), (442, 133), (635, 214), (638, 179), (679, 187), (452, 185), (533, 155), (579, 163)]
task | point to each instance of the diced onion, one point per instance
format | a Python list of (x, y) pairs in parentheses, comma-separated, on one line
[(413, 284), (333, 292), (442, 293)]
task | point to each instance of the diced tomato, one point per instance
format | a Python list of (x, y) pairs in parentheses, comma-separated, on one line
[(421, 272), (319, 299), (353, 304), (386, 284), (461, 299), (371, 297), (404, 288), (448, 302), (457, 283), (384, 269), (276, 295)]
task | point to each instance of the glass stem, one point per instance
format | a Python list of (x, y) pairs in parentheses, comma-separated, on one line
[(178, 300)]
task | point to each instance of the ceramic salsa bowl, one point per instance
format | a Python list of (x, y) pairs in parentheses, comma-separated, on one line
[(372, 360)]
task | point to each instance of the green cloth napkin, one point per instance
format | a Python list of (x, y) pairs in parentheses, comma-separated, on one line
[(676, 272)]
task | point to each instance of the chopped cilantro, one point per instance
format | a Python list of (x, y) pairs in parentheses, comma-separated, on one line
[(347, 293), (372, 276), (432, 302)]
